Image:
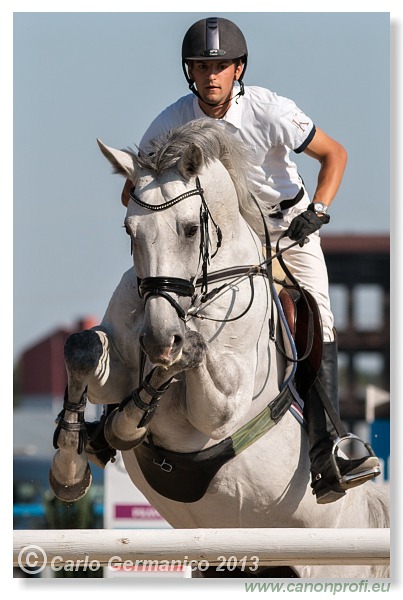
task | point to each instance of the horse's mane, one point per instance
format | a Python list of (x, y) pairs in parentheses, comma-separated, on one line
[(216, 144)]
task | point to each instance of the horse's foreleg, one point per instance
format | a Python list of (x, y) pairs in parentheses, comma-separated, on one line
[(126, 426), (70, 474)]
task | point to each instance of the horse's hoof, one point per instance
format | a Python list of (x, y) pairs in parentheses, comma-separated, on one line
[(116, 442), (71, 493)]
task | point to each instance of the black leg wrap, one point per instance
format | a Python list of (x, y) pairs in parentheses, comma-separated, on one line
[(77, 427), (148, 408), (97, 448)]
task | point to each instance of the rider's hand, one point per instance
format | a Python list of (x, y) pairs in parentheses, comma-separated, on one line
[(304, 224)]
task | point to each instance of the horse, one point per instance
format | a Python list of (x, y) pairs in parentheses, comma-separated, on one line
[(188, 363)]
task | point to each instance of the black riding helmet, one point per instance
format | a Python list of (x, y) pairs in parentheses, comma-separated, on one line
[(214, 38)]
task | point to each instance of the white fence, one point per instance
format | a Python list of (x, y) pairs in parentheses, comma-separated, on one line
[(272, 547)]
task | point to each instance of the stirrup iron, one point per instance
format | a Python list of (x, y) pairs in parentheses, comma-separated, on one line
[(347, 481)]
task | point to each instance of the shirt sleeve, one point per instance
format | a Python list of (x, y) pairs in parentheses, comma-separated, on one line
[(295, 129), (173, 116)]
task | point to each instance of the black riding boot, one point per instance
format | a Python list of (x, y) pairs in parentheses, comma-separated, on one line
[(327, 484)]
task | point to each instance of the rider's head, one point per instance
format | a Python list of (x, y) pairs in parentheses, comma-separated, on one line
[(213, 38)]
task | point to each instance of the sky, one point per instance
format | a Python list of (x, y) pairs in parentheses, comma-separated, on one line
[(79, 76)]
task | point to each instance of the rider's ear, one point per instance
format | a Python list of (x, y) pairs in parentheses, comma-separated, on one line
[(191, 161), (189, 65), (238, 70)]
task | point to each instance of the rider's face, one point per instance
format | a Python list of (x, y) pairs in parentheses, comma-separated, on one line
[(214, 78)]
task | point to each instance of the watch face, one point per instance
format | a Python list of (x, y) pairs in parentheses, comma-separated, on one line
[(320, 207)]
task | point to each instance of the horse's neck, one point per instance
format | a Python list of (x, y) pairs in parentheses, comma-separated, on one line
[(241, 246)]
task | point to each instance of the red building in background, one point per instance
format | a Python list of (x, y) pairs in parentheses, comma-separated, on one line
[(43, 375)]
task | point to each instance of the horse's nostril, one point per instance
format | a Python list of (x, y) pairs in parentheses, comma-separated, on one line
[(178, 340)]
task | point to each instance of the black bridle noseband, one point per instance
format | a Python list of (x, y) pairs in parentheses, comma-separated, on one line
[(164, 286)]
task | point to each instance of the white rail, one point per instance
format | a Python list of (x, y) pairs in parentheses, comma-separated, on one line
[(271, 546)]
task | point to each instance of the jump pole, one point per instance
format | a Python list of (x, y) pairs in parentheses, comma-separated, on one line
[(273, 547)]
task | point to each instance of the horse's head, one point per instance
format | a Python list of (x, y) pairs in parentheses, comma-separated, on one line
[(184, 201)]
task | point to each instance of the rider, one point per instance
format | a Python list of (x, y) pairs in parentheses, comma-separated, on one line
[(214, 60)]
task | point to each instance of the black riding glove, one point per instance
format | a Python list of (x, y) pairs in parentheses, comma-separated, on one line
[(304, 224)]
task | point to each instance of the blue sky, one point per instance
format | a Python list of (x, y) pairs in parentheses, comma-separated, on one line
[(83, 75)]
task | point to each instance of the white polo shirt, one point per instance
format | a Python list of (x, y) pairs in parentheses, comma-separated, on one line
[(269, 125)]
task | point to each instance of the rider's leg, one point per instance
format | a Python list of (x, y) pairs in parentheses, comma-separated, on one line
[(307, 265), (325, 481)]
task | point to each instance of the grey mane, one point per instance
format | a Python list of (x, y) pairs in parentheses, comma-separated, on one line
[(216, 144)]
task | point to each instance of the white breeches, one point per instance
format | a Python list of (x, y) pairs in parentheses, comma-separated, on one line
[(307, 264)]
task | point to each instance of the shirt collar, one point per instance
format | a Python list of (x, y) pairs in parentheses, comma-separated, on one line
[(233, 114)]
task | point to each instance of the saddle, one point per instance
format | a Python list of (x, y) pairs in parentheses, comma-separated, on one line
[(302, 316)]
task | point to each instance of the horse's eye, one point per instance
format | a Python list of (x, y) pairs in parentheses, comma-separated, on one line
[(191, 231)]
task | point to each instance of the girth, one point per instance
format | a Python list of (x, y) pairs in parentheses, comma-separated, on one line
[(186, 476)]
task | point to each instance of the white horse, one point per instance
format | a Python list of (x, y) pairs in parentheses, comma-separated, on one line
[(206, 457)]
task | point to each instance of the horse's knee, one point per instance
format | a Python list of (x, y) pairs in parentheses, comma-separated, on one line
[(115, 439), (83, 350)]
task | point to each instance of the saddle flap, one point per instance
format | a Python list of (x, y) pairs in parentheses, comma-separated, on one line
[(289, 298), (304, 322), (308, 315)]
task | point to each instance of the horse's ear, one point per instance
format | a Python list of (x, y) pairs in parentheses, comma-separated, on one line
[(191, 161), (123, 162)]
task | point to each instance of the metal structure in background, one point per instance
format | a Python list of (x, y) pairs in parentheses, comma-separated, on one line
[(356, 261)]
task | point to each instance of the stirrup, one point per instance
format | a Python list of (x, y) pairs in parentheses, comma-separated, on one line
[(351, 479)]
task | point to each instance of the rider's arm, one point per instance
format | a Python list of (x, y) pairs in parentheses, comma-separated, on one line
[(333, 159)]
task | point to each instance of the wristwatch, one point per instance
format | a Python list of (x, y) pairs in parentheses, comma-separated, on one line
[(319, 207)]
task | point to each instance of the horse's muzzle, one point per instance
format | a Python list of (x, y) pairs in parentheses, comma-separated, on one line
[(160, 352), (162, 342)]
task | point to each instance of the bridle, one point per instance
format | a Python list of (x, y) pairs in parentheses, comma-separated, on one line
[(164, 286)]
